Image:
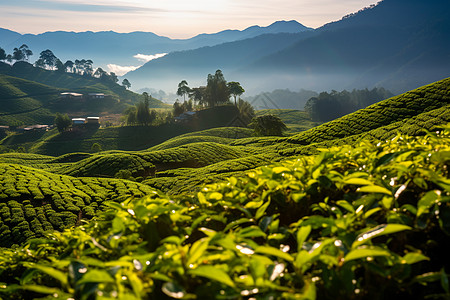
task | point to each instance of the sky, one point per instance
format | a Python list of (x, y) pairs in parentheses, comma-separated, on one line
[(171, 18)]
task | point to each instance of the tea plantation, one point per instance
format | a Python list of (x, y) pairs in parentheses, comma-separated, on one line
[(34, 201), (355, 208), (354, 222)]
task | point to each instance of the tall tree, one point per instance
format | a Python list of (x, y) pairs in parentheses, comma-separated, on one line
[(126, 83), (183, 89), (62, 122), (2, 54), (216, 89), (88, 70), (26, 52), (100, 73), (22, 53), (17, 54), (78, 66), (113, 77), (48, 58), (235, 89), (69, 66), (60, 66), (198, 94), (143, 116)]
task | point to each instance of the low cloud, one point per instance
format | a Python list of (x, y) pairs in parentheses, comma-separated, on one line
[(121, 70), (147, 58)]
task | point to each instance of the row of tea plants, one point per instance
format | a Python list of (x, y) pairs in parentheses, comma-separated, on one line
[(365, 222)]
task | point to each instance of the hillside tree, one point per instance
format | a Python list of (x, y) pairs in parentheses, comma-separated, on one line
[(2, 54), (268, 125), (198, 94), (113, 77), (143, 114), (100, 73), (126, 83), (59, 66), (235, 89), (22, 53), (48, 59), (183, 89), (62, 122), (216, 89), (69, 66)]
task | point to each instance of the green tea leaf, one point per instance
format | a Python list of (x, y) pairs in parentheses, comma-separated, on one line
[(302, 235), (275, 252), (412, 258), (374, 189), (378, 231), (213, 273), (357, 181), (363, 253), (96, 276)]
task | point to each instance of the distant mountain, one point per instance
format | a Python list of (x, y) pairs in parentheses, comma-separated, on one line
[(8, 36), (108, 47), (397, 44)]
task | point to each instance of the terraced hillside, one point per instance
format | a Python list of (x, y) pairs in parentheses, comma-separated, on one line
[(33, 201), (184, 163), (25, 102), (74, 82), (30, 95)]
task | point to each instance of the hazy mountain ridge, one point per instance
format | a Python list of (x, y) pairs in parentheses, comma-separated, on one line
[(397, 44), (121, 47)]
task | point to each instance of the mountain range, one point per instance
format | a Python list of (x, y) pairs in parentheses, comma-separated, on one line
[(397, 44), (108, 47)]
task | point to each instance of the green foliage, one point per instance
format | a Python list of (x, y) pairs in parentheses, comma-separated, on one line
[(361, 222), (216, 92), (330, 106), (268, 125), (235, 89), (62, 122)]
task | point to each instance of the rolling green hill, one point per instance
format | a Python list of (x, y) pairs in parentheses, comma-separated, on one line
[(33, 201), (30, 95), (25, 102), (183, 165)]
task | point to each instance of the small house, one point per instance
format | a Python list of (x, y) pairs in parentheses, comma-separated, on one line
[(96, 96), (185, 117), (36, 127), (78, 121), (93, 120), (71, 96)]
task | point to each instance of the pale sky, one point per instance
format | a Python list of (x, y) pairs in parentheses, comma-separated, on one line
[(172, 18)]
